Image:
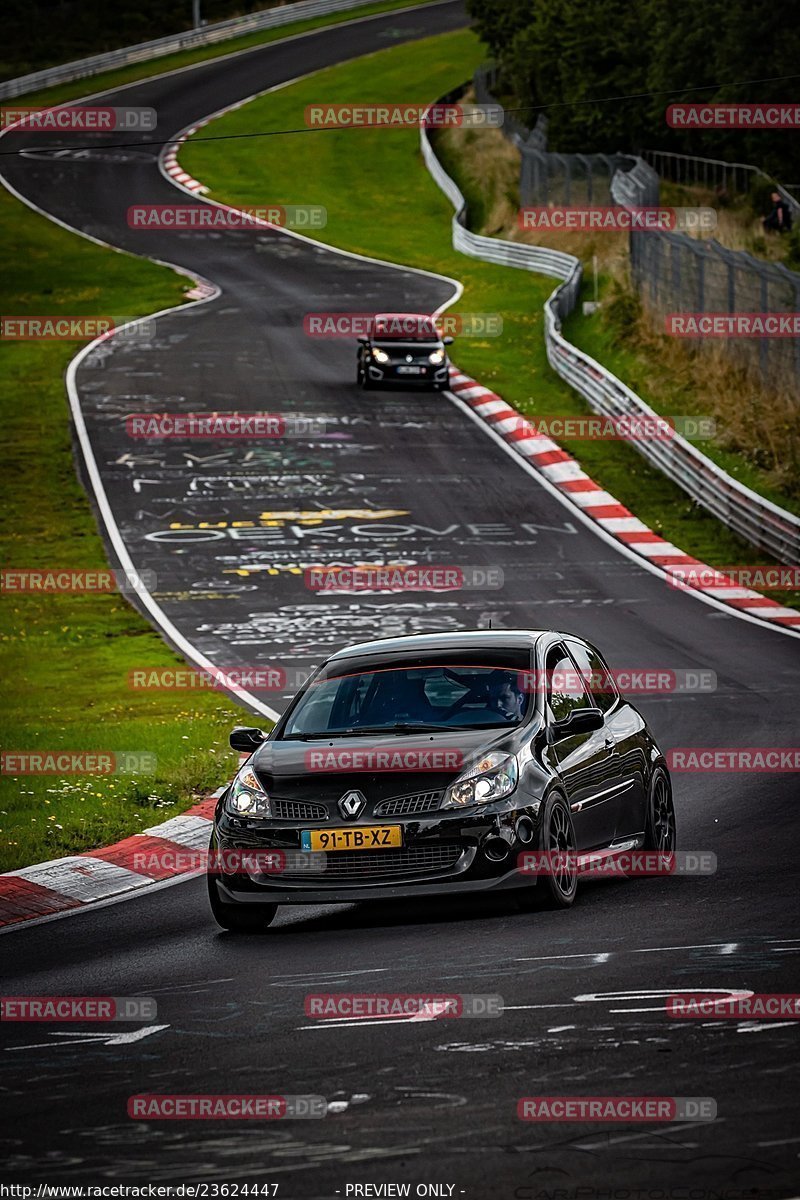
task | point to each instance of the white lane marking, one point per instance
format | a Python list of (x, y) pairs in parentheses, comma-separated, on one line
[(759, 1027), (94, 1039), (604, 957), (621, 547), (729, 948), (324, 976), (432, 1011), (561, 1028)]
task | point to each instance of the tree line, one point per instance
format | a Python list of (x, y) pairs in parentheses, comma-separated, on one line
[(573, 59)]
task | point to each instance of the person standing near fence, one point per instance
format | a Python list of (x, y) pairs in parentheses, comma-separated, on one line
[(779, 217)]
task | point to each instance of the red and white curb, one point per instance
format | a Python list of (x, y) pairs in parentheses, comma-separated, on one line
[(566, 474), (172, 167), (79, 880)]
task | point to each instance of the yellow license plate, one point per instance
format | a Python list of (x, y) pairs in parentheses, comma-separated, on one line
[(368, 837)]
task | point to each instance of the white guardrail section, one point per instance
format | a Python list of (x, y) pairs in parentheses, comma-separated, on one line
[(206, 35), (759, 521)]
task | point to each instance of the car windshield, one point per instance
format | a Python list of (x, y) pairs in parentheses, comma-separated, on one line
[(407, 698)]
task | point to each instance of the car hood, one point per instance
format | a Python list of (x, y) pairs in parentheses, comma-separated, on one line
[(380, 766)]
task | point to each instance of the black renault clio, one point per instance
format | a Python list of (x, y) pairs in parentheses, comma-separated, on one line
[(426, 765), (403, 348)]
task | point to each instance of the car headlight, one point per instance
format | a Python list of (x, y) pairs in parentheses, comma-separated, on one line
[(437, 356), (379, 355), (494, 775), (246, 797)]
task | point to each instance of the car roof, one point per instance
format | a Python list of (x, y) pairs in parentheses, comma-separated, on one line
[(467, 639), (402, 316)]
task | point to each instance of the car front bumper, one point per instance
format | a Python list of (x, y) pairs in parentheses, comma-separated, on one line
[(450, 853), (390, 374)]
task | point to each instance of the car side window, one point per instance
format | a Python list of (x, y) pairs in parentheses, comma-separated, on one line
[(598, 678), (565, 687)]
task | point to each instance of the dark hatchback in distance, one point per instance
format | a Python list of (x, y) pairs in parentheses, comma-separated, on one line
[(425, 765), (403, 348)]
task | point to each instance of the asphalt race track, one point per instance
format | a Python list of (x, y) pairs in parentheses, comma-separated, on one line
[(401, 475)]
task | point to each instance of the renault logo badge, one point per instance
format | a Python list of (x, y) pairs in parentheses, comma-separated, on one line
[(352, 804)]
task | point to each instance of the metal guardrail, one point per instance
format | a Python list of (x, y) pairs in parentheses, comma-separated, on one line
[(206, 35), (754, 518), (713, 173)]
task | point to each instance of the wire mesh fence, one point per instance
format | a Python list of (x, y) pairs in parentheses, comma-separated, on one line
[(673, 274)]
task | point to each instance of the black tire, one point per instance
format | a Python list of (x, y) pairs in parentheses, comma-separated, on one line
[(557, 835), (239, 918), (660, 828)]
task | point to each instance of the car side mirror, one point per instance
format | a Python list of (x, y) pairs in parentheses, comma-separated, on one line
[(245, 739), (448, 341), (580, 720)]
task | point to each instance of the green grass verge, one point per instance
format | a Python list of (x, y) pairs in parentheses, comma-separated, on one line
[(59, 93), (382, 202), (65, 658), (603, 336)]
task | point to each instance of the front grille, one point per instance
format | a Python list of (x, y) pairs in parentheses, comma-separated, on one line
[(299, 810), (383, 864), (404, 806)]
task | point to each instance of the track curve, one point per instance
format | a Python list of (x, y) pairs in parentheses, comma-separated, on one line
[(414, 1105)]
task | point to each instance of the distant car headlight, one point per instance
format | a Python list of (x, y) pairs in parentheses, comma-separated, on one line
[(379, 355), (494, 775), (437, 356), (246, 797)]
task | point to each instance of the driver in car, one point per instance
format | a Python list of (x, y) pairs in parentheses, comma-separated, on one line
[(505, 697)]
